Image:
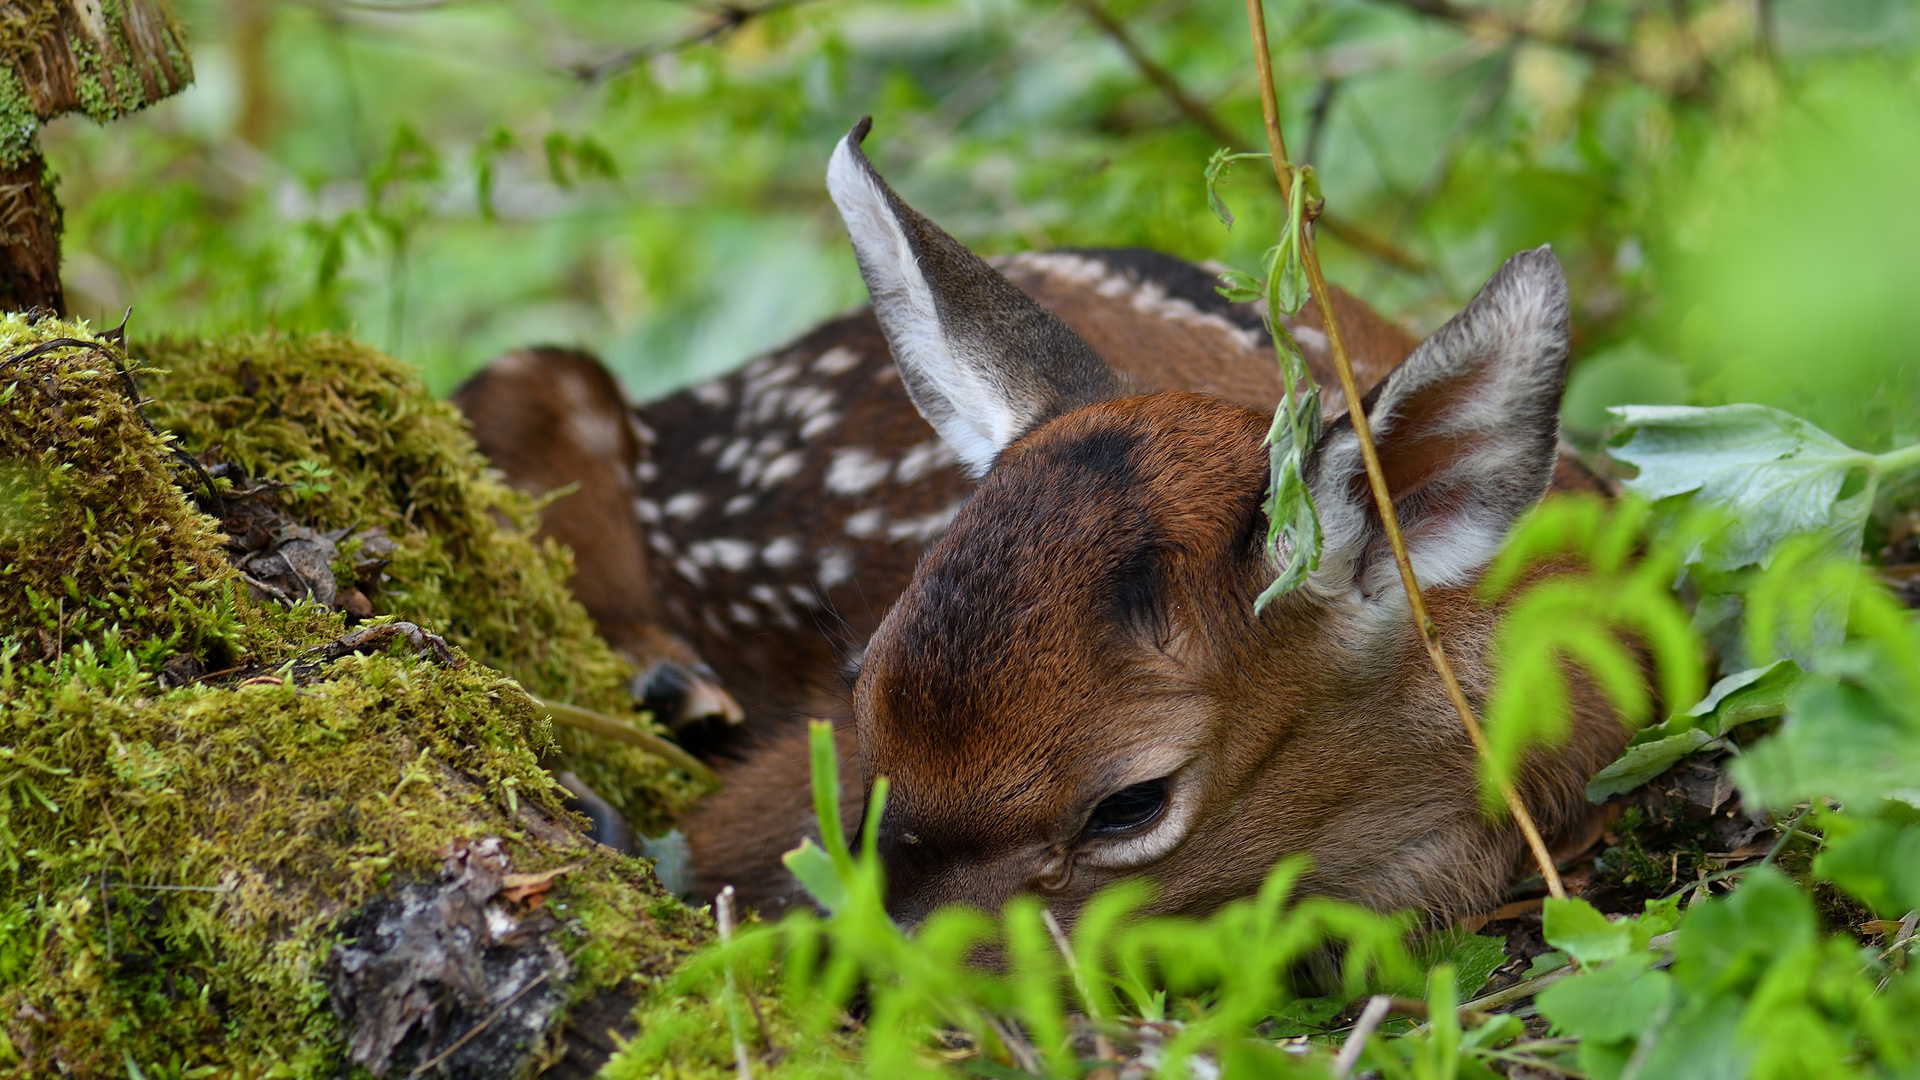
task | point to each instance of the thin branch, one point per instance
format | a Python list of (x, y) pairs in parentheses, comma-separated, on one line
[(1370, 1018), (1160, 77), (1376, 476), (723, 918), (727, 19), (1209, 121), (1602, 50), (437, 1059), (609, 727)]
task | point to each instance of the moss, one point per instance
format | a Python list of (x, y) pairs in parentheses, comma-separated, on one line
[(465, 563), (19, 127), (174, 863)]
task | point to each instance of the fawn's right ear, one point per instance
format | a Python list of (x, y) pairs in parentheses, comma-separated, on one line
[(1467, 430), (983, 362)]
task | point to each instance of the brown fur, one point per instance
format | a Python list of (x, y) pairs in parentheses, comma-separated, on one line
[(1325, 734)]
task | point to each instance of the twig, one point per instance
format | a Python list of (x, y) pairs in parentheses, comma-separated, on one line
[(580, 719), (1376, 476), (1022, 1051), (723, 917), (728, 19), (1102, 1046), (1370, 1019), (476, 1029), (1160, 77), (1208, 121), (1600, 49)]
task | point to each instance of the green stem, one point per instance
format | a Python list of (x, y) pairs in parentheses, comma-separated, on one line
[(1907, 457)]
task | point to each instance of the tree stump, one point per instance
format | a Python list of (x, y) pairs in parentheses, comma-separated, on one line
[(99, 57)]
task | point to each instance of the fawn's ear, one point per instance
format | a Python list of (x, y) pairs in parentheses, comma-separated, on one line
[(1467, 429), (984, 363)]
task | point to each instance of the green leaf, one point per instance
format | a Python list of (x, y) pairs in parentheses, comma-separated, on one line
[(817, 874), (1218, 166), (1777, 475), (1238, 287), (1577, 928), (1875, 860), (1841, 742), (1472, 957), (1551, 960), (1616, 1003), (1727, 943), (1755, 694), (1642, 762)]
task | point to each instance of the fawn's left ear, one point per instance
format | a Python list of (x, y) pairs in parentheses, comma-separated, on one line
[(1468, 430), (983, 362)]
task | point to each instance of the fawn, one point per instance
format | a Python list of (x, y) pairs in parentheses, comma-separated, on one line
[(1037, 619)]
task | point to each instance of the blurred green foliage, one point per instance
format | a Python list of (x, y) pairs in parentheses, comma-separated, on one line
[(449, 179)]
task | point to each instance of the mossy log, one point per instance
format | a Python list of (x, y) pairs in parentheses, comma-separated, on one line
[(238, 837), (104, 58)]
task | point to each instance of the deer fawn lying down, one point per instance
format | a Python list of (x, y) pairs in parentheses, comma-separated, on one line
[(1059, 666)]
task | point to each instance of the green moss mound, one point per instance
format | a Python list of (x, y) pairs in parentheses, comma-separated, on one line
[(176, 861), (364, 446)]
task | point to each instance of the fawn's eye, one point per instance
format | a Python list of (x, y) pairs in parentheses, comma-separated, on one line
[(1130, 808)]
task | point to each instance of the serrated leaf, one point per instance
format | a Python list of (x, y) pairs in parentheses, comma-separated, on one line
[(1776, 475)]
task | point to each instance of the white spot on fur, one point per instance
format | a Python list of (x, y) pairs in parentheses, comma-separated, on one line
[(660, 542), (781, 552), (855, 471), (836, 568), (738, 505), (684, 505), (1146, 297), (645, 472), (766, 597), (735, 453), (866, 524), (725, 553), (836, 361), (742, 614), (647, 511), (819, 425), (709, 446), (686, 569), (714, 395), (925, 527), (783, 468), (923, 459), (804, 596)]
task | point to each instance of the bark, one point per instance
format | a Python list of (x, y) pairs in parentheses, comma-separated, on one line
[(29, 238), (104, 58)]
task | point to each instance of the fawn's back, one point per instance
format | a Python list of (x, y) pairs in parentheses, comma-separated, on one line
[(1059, 664)]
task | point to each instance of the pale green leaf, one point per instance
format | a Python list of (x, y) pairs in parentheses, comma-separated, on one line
[(1577, 928), (1774, 473)]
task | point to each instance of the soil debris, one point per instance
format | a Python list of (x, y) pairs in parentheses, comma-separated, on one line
[(447, 976)]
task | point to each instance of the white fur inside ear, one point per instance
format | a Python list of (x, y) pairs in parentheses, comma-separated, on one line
[(974, 416), (1483, 393)]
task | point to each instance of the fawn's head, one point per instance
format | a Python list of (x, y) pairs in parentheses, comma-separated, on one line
[(1076, 687)]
